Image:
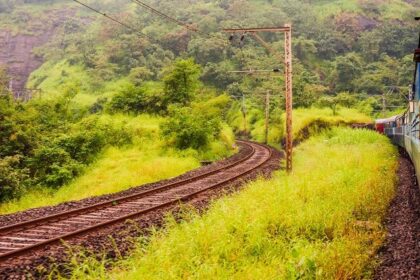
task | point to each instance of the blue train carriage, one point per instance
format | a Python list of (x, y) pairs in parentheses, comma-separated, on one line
[(412, 137), (404, 129)]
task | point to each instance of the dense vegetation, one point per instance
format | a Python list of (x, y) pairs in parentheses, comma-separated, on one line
[(116, 108), (322, 221), (94, 67), (47, 143)]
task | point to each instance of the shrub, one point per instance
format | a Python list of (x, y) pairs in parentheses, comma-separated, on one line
[(189, 129), (12, 177), (54, 166), (82, 146), (181, 80), (137, 100)]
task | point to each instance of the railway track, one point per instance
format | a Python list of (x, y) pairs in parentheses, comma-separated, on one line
[(21, 238)]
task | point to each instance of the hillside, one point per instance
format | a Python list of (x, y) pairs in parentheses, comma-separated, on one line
[(363, 35), (93, 68), (99, 98), (22, 32)]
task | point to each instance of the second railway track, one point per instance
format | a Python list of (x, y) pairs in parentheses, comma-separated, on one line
[(18, 239)]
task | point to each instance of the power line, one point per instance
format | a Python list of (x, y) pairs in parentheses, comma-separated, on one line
[(167, 17), (137, 31), (178, 22)]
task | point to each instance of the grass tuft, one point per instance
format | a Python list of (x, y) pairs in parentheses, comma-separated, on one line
[(321, 221)]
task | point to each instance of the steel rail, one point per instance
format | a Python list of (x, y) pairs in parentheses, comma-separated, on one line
[(109, 222), (111, 202)]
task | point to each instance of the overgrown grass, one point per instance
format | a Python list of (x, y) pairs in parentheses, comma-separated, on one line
[(119, 168), (310, 121), (304, 119), (55, 78), (322, 221)]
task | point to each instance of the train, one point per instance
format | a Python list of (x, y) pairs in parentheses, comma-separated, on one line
[(404, 129)]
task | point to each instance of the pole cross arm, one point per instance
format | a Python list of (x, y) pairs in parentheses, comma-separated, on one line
[(258, 29)]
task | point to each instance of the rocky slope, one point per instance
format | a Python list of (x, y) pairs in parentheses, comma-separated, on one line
[(16, 48)]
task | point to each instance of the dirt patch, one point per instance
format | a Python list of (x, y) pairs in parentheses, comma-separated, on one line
[(400, 255)]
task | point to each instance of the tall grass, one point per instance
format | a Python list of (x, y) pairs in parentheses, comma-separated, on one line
[(303, 119), (119, 168), (322, 221)]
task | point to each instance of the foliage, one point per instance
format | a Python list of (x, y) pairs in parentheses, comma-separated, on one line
[(135, 99), (359, 54), (309, 224), (120, 165), (188, 128), (12, 177), (344, 99), (180, 80)]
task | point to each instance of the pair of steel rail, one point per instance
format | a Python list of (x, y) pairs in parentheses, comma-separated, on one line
[(20, 238)]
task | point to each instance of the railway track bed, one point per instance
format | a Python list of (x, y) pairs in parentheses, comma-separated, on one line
[(30, 242)]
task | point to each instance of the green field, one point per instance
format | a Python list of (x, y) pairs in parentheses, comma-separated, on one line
[(322, 221)]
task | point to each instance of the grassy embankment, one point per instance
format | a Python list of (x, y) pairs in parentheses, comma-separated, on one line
[(119, 168), (147, 160), (321, 221), (306, 122)]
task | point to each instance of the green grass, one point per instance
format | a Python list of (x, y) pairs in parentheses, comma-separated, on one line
[(54, 78), (322, 221), (303, 119), (328, 8), (312, 119), (119, 168)]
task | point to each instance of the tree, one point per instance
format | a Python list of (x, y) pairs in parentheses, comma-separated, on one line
[(187, 128), (347, 69), (140, 74), (180, 80), (342, 99)]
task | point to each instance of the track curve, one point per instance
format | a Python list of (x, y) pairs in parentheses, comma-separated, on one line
[(18, 239)]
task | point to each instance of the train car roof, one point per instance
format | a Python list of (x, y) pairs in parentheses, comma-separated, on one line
[(387, 120)]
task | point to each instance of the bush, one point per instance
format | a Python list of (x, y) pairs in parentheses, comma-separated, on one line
[(82, 146), (189, 129), (137, 100), (54, 166), (12, 178), (181, 80)]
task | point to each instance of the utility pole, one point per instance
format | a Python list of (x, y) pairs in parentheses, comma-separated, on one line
[(289, 96), (267, 114), (244, 112), (383, 104), (287, 30)]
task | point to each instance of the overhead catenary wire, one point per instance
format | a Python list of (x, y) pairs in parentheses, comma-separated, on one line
[(160, 14), (169, 18), (178, 22), (137, 31)]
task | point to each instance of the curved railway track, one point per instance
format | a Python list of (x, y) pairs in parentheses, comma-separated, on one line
[(18, 239)]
